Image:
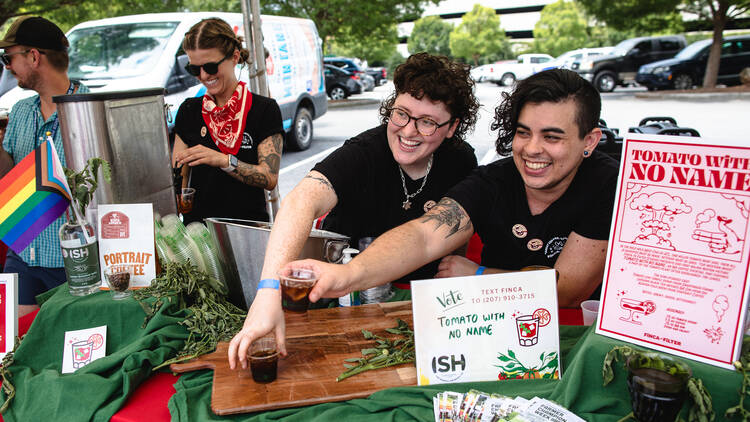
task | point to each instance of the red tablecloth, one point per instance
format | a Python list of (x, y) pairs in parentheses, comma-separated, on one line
[(151, 397)]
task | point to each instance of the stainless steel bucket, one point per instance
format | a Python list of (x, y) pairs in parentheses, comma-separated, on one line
[(129, 130), (241, 245)]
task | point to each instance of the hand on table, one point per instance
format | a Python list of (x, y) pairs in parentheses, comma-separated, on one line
[(265, 315), (456, 266), (200, 154)]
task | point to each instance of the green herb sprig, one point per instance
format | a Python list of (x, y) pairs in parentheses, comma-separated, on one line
[(701, 409), (83, 184), (8, 388), (386, 353), (211, 318), (743, 366)]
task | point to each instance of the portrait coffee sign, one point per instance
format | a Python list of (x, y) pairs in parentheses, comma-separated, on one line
[(126, 241), (486, 328), (677, 262)]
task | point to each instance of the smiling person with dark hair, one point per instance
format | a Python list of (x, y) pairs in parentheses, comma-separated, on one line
[(549, 204), (377, 180)]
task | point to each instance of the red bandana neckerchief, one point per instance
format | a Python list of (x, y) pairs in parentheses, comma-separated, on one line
[(226, 124)]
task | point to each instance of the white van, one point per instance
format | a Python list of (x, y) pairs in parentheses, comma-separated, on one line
[(145, 51)]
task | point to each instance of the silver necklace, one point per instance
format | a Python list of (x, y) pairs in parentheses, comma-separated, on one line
[(407, 203)]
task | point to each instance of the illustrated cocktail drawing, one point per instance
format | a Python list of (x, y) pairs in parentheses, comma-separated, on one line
[(636, 309), (528, 330), (82, 353)]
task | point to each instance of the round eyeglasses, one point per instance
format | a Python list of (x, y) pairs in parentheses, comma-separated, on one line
[(209, 68), (425, 126)]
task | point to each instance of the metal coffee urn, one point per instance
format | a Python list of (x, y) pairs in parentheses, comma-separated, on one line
[(129, 130)]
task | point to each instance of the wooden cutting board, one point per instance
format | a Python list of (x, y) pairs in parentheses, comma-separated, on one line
[(317, 344)]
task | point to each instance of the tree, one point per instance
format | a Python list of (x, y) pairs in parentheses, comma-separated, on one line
[(67, 13), (346, 18), (561, 27), (623, 14), (432, 35), (378, 47), (479, 34)]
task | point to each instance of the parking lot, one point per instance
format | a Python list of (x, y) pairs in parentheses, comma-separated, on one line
[(714, 115)]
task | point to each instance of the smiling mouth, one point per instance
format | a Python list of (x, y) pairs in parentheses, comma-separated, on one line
[(210, 82), (407, 144), (536, 165)]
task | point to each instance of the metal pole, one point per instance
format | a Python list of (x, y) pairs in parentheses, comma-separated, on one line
[(258, 83)]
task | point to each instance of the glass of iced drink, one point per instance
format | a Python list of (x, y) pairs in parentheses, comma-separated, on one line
[(296, 283), (264, 359)]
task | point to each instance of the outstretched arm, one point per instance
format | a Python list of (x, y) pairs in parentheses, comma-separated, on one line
[(397, 252), (581, 269), (311, 198)]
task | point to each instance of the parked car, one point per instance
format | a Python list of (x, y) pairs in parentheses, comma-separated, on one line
[(380, 74), (367, 81), (620, 67), (349, 64), (340, 84), (688, 67), (566, 60), (508, 72), (482, 73)]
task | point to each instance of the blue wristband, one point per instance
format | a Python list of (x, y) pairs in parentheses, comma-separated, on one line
[(268, 283), (480, 270)]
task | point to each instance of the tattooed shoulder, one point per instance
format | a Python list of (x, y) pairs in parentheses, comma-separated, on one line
[(320, 180), (447, 212)]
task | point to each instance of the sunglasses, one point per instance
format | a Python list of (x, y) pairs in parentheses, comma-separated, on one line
[(210, 68), (5, 57)]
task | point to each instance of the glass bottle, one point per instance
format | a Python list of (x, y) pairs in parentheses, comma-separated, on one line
[(80, 250)]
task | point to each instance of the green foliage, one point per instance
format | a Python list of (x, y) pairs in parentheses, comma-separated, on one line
[(561, 27), (645, 16), (346, 18), (743, 366), (83, 184), (380, 45), (432, 35), (479, 34), (386, 353), (392, 62)]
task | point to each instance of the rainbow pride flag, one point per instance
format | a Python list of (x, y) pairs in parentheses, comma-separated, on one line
[(32, 196)]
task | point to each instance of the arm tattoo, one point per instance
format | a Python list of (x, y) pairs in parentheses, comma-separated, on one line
[(248, 174), (270, 153), (447, 212), (322, 181)]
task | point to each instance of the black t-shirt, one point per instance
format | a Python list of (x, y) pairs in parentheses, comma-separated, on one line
[(495, 199), (370, 194), (217, 194)]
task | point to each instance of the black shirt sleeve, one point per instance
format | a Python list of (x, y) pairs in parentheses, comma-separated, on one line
[(266, 119)]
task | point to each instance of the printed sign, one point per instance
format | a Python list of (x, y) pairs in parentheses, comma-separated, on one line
[(83, 347), (676, 276), (126, 240), (8, 312), (489, 327)]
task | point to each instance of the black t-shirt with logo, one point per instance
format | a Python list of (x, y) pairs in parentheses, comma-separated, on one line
[(370, 193), (495, 199), (217, 194)]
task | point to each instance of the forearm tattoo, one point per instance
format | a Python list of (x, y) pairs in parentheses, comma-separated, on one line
[(270, 153), (320, 180), (447, 212), (250, 175)]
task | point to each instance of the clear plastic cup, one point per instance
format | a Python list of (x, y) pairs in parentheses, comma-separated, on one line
[(590, 309), (185, 200), (296, 284), (264, 359)]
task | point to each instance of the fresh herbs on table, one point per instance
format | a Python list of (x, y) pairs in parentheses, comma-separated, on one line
[(387, 352), (743, 366), (8, 388), (701, 409), (211, 318)]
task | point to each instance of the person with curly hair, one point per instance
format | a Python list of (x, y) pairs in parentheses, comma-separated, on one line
[(377, 180), (549, 204), (229, 139)]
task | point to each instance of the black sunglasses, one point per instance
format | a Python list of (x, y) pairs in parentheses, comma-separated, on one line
[(6, 56), (210, 68)]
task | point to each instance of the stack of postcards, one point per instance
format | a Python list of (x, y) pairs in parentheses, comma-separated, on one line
[(476, 406)]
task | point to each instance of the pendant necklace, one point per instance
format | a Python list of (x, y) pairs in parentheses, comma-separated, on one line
[(407, 203)]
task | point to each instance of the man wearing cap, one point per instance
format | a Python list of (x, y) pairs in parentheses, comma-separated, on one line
[(36, 53)]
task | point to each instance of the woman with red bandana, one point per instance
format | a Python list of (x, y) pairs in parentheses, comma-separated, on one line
[(230, 139)]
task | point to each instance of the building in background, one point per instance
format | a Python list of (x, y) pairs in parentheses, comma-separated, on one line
[(517, 17)]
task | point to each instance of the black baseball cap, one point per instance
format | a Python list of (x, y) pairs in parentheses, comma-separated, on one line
[(37, 32)]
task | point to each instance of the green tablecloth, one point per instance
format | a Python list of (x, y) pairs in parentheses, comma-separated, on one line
[(98, 390), (580, 390)]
